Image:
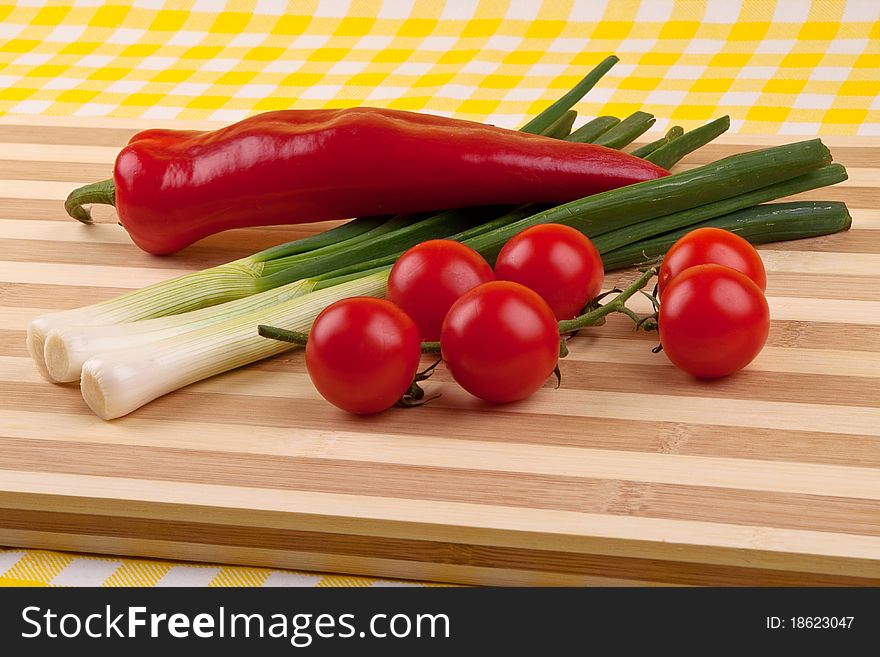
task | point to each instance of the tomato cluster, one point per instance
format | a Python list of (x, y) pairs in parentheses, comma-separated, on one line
[(714, 318), (498, 331), (499, 338)]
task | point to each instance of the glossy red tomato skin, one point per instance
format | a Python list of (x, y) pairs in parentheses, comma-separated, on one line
[(427, 279), (362, 354), (712, 246), (713, 321), (500, 341), (556, 261)]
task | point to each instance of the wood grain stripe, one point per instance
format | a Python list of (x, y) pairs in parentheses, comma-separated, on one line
[(47, 297), (503, 426), (65, 135), (864, 219), (440, 458), (811, 334), (91, 275), (309, 561), (828, 388), (852, 241), (12, 344), (245, 241), (36, 152), (44, 190), (574, 532), (451, 554), (815, 262), (17, 318), (632, 434), (821, 286), (277, 387), (772, 359), (16, 208), (114, 255), (53, 171)]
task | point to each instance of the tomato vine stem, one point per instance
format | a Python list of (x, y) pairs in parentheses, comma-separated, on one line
[(618, 304), (296, 337), (594, 317)]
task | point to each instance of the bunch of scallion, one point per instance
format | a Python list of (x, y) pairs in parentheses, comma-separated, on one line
[(132, 349)]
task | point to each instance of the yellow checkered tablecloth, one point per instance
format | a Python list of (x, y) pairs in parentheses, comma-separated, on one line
[(46, 568), (785, 67), (776, 67)]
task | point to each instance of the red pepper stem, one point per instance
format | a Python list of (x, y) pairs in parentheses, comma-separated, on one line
[(618, 304), (103, 192)]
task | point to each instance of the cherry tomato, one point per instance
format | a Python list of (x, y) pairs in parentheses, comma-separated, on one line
[(362, 354), (556, 261), (500, 341), (713, 320), (712, 246), (426, 280)]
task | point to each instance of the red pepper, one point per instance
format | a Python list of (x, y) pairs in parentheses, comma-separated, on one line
[(172, 188)]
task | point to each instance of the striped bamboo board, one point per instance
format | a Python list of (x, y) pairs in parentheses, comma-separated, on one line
[(631, 473)]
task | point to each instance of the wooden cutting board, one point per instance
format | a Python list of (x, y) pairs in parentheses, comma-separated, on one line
[(631, 473)]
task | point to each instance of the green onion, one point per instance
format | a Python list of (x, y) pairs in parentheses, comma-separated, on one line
[(822, 177), (118, 382), (674, 133), (650, 147), (773, 222), (68, 347), (561, 128), (627, 131), (216, 285), (361, 264), (347, 231), (561, 106), (666, 156), (592, 130)]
